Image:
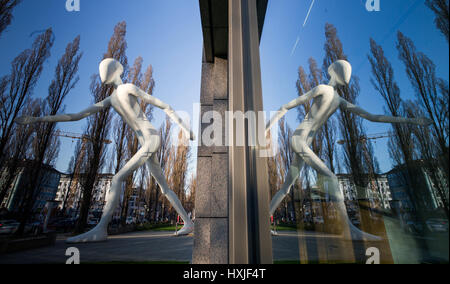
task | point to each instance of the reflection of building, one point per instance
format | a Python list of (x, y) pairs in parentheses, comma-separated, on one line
[(426, 184), (45, 191), (72, 202), (352, 193), (136, 207), (100, 193)]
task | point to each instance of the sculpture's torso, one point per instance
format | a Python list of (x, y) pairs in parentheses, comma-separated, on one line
[(325, 104), (127, 106)]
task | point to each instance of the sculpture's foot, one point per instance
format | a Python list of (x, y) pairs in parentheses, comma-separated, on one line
[(358, 235), (93, 236), (186, 230)]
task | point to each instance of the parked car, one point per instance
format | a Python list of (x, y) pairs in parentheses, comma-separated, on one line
[(355, 221), (62, 224), (8, 227), (33, 228), (130, 220), (93, 222), (437, 225), (318, 220), (413, 227)]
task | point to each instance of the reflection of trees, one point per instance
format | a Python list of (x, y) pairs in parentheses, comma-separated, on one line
[(409, 143), (441, 10), (350, 125), (6, 8), (279, 166)]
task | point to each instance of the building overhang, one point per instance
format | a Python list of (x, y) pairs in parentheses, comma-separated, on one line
[(214, 17)]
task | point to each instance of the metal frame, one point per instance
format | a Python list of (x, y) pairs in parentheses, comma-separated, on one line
[(250, 240)]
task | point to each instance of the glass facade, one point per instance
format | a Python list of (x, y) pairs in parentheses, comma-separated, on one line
[(392, 178)]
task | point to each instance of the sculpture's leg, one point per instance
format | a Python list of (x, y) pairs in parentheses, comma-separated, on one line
[(332, 187), (100, 232), (292, 176), (158, 174)]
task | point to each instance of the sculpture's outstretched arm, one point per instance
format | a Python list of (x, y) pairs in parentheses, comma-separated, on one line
[(285, 108), (423, 121), (160, 104), (66, 117)]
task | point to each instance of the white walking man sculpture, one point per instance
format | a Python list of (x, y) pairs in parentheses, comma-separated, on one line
[(124, 100), (326, 101)]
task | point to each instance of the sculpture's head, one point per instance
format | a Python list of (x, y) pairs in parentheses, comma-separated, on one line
[(340, 72), (110, 71)]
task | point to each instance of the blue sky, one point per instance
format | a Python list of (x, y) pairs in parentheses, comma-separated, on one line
[(355, 25), (167, 34)]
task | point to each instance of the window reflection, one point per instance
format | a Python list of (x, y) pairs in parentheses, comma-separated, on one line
[(393, 177)]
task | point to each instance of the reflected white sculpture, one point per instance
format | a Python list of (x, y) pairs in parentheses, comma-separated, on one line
[(124, 101), (326, 102)]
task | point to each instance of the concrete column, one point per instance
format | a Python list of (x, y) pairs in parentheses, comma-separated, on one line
[(211, 203)]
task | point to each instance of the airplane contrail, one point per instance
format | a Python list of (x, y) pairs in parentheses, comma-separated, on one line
[(295, 45), (304, 24), (309, 11)]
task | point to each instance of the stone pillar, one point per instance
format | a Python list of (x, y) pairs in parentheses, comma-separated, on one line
[(211, 200)]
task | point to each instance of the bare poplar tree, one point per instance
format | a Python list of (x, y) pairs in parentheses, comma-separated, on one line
[(274, 176), (163, 159), (324, 143), (428, 152), (401, 145), (190, 198), (351, 128), (19, 147), (99, 124), (26, 70), (147, 84), (6, 8), (285, 156), (180, 167), (430, 91), (75, 172), (120, 131), (45, 144), (441, 10)]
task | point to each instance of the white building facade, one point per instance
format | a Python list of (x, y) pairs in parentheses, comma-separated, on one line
[(381, 195), (69, 195)]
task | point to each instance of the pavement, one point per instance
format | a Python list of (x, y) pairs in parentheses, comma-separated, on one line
[(151, 246), (132, 247)]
